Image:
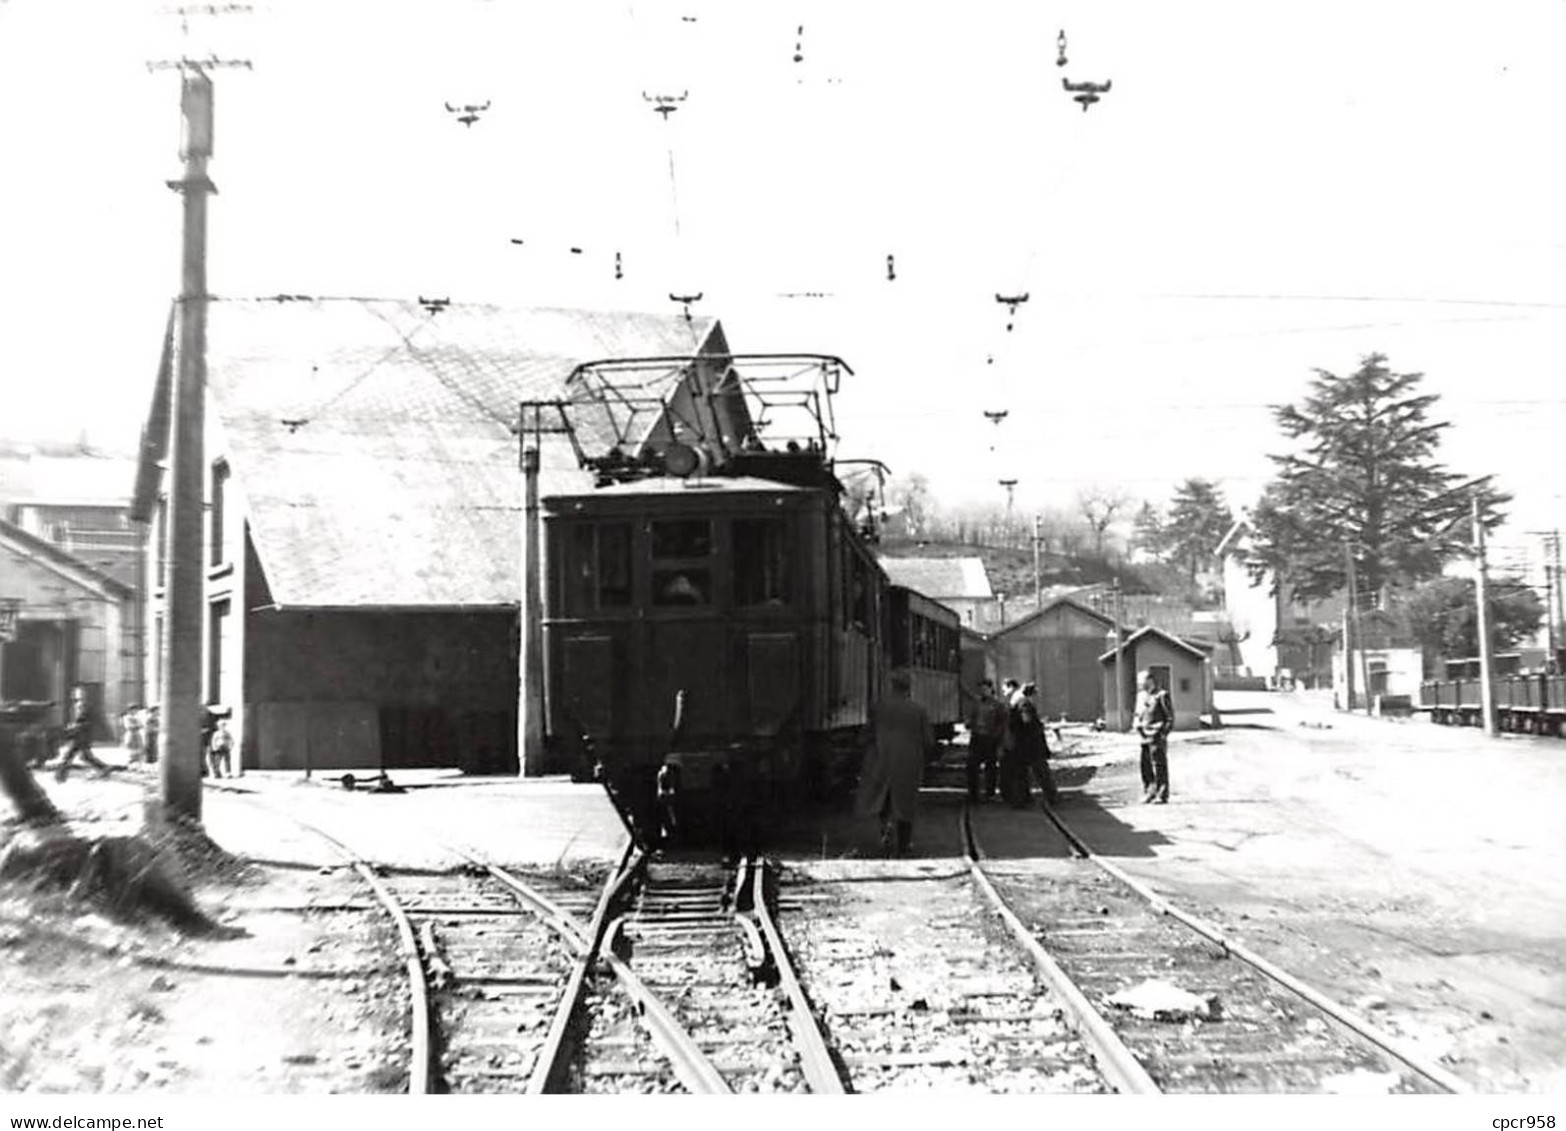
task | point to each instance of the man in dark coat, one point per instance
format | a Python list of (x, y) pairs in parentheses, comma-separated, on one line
[(1153, 721), (902, 740), (1027, 752), (986, 728)]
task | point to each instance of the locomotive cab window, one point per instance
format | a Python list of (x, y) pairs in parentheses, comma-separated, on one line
[(682, 569), (760, 562), (597, 574)]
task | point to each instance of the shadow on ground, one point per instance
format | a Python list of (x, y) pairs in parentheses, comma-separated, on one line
[(837, 832)]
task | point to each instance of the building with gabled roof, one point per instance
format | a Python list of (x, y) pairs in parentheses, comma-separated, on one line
[(67, 626), (1178, 666), (958, 583), (1057, 647), (364, 504)]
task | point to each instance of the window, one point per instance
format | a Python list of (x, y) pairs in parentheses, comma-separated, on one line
[(597, 573), (219, 499), (685, 538), (217, 649), (1185, 685), (1160, 674), (682, 572), (760, 562), (858, 592)]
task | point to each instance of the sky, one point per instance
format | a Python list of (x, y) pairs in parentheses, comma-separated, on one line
[(1265, 189)]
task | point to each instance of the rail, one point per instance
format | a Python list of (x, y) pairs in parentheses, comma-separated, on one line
[(815, 1058), (1435, 1074), (1117, 1062)]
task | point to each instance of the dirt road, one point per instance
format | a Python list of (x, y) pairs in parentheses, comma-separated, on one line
[(1411, 869)]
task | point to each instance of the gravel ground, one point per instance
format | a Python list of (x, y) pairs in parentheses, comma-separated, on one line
[(282, 999), (1404, 868)]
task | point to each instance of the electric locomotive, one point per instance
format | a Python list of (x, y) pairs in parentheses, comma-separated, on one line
[(717, 630)]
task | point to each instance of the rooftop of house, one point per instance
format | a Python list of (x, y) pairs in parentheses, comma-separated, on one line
[(941, 578), (30, 476), (373, 441)]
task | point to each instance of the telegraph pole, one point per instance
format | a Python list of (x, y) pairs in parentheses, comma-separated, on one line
[(1349, 623), (1120, 659), (179, 754), (180, 676), (1560, 605), (1011, 487), (1038, 575), (1486, 671), (530, 662), (1549, 610)]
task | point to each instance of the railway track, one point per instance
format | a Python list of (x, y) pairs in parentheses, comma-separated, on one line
[(671, 976), (1250, 1027), (917, 987)]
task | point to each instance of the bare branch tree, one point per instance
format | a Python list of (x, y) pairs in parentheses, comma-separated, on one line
[(1100, 505)]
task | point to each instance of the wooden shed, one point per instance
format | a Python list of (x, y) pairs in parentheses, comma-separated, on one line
[(1178, 666), (1057, 648)]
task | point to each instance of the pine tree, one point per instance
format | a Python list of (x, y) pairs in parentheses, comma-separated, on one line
[(1364, 480), (1198, 520)]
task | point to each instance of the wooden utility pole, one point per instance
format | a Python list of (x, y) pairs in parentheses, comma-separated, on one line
[(1348, 631), (1560, 605), (1120, 659), (1549, 609), (1038, 574), (530, 702), (1486, 668), (530, 631), (179, 754)]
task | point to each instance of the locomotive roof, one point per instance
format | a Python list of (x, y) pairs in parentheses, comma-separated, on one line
[(707, 486)]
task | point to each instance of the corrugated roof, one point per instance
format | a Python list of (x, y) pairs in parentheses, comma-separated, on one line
[(941, 578), (372, 438)]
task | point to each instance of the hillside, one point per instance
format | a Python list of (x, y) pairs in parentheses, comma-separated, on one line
[(1010, 569)]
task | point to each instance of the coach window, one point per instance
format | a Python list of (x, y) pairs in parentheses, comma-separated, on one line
[(681, 556), (760, 562), (859, 593)]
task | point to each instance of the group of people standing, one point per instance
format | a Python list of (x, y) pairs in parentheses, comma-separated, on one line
[(1007, 745), (1008, 751)]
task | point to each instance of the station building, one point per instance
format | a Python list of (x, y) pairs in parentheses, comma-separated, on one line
[(364, 512), (1057, 648), (65, 625), (70, 561)]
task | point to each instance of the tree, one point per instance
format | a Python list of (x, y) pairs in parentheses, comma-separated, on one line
[(913, 496), (1100, 505), (1363, 480), (1148, 532), (1443, 615), (1198, 520)]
